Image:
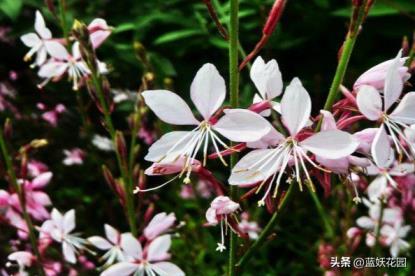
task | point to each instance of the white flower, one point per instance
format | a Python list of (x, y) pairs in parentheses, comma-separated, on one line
[(103, 143), (38, 41), (394, 236), (23, 259), (150, 262)]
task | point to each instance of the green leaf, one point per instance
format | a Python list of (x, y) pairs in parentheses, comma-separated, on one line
[(380, 9), (173, 36), (11, 8)]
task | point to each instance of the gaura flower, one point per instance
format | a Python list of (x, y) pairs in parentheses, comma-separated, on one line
[(222, 210), (59, 228), (260, 165), (160, 224), (111, 244), (73, 157), (99, 31), (394, 237), (249, 227), (103, 143), (371, 105), (207, 92), (150, 261), (384, 166), (52, 116), (371, 222), (23, 259), (38, 42)]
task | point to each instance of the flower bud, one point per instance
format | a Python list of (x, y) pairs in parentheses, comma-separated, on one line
[(8, 129), (121, 145)]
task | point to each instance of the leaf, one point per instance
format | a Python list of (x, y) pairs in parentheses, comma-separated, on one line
[(11, 8), (124, 28), (380, 9), (162, 64), (173, 36)]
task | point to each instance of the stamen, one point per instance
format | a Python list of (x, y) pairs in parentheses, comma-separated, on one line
[(138, 190)]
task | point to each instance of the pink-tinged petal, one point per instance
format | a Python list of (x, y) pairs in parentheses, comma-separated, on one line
[(365, 222), (328, 123), (340, 165), (369, 102), (99, 242), (42, 180), (267, 78), (69, 221), (169, 107), (177, 139), (249, 171), (30, 40), (272, 138), (159, 225), (131, 246), (393, 83), (98, 37), (121, 269), (158, 248), (332, 144), (41, 28), (56, 50), (112, 234), (208, 90), (405, 111), (52, 69), (377, 188), (223, 205), (167, 269), (365, 138), (41, 198), (295, 107), (381, 149), (240, 125), (402, 169), (166, 168), (211, 217), (68, 252)]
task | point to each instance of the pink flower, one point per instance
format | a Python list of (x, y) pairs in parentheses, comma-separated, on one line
[(394, 237), (249, 227), (160, 224), (208, 92), (270, 163), (35, 168), (111, 244), (149, 262), (376, 75), (23, 259), (73, 157), (220, 210), (99, 31), (52, 115)]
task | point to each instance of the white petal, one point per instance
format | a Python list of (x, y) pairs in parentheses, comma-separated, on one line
[(41, 28), (52, 69), (267, 78), (248, 171), (167, 269), (402, 169), (272, 138), (381, 149), (208, 90), (69, 221), (56, 50), (57, 218), (112, 234), (328, 123), (405, 111), (121, 269), (30, 39), (99, 242), (393, 83), (159, 247), (41, 57), (369, 102), (332, 144), (131, 246), (240, 125), (365, 222), (68, 252), (169, 107), (158, 151), (377, 188), (295, 107)]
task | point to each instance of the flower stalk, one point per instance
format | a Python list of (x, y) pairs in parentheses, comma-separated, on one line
[(22, 200), (234, 100)]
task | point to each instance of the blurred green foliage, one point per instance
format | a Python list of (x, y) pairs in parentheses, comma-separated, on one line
[(179, 37)]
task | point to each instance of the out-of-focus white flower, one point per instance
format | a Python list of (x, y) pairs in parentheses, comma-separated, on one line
[(103, 143)]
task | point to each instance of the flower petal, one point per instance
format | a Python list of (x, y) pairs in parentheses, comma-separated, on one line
[(131, 246), (295, 107), (365, 222), (405, 111), (267, 78), (369, 102), (99, 242), (332, 144), (30, 39), (158, 248), (240, 125), (69, 221), (271, 139), (112, 234), (167, 269), (393, 83), (328, 123), (52, 69), (56, 50), (208, 90), (169, 107), (377, 188), (121, 269), (41, 28), (381, 149), (68, 252)]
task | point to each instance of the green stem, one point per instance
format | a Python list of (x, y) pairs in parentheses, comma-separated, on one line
[(97, 82), (323, 215), (22, 201), (234, 99), (268, 228)]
